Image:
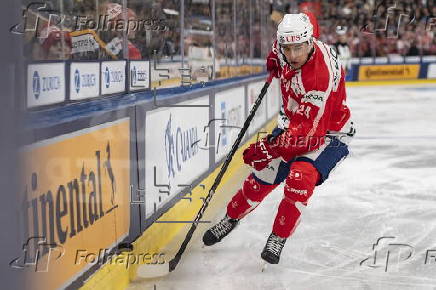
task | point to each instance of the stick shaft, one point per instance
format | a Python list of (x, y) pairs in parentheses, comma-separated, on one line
[(173, 263)]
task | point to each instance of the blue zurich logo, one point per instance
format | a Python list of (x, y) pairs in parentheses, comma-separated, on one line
[(107, 77), (77, 80), (134, 77), (36, 85)]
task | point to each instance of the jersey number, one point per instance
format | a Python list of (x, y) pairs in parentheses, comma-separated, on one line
[(304, 110)]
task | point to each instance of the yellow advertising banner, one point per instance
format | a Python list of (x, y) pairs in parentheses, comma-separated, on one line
[(75, 202), (388, 72)]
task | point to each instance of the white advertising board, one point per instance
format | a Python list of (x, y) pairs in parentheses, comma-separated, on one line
[(273, 99), (45, 84), (260, 116), (229, 115), (113, 77), (139, 75), (84, 80), (431, 71), (176, 150)]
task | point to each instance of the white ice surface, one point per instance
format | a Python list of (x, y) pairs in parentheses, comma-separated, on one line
[(386, 187)]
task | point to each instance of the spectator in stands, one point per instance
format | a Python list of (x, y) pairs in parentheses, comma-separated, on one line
[(413, 50), (169, 47), (353, 14), (54, 44), (115, 41), (373, 15), (402, 46), (342, 48)]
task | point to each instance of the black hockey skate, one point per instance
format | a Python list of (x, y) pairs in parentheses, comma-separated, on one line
[(219, 231), (273, 248)]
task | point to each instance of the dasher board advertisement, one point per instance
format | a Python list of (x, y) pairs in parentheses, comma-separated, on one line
[(84, 80), (75, 201), (229, 119), (260, 117), (139, 75), (113, 77), (45, 84), (176, 151), (388, 72), (273, 98)]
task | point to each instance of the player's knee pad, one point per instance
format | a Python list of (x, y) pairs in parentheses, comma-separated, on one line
[(256, 190), (301, 181), (248, 197)]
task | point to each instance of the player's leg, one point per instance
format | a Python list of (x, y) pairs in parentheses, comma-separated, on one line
[(299, 187), (254, 189), (306, 172)]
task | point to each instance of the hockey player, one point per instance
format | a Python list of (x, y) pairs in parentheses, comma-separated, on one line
[(308, 143)]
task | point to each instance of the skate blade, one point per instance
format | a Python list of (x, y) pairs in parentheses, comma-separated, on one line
[(263, 266), (151, 271)]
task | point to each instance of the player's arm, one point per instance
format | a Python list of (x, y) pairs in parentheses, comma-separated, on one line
[(302, 134), (300, 137)]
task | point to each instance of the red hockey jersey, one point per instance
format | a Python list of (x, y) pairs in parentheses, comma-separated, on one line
[(314, 97)]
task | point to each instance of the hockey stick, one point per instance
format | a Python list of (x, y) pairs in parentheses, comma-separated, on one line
[(152, 271)]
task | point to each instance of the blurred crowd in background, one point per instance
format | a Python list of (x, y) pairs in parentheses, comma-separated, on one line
[(244, 29), (382, 28)]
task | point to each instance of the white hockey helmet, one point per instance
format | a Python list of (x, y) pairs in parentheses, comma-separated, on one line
[(294, 28)]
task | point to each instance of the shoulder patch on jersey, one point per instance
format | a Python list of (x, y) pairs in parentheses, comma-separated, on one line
[(316, 98)]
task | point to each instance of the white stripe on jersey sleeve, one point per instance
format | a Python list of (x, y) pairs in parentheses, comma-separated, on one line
[(327, 60)]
